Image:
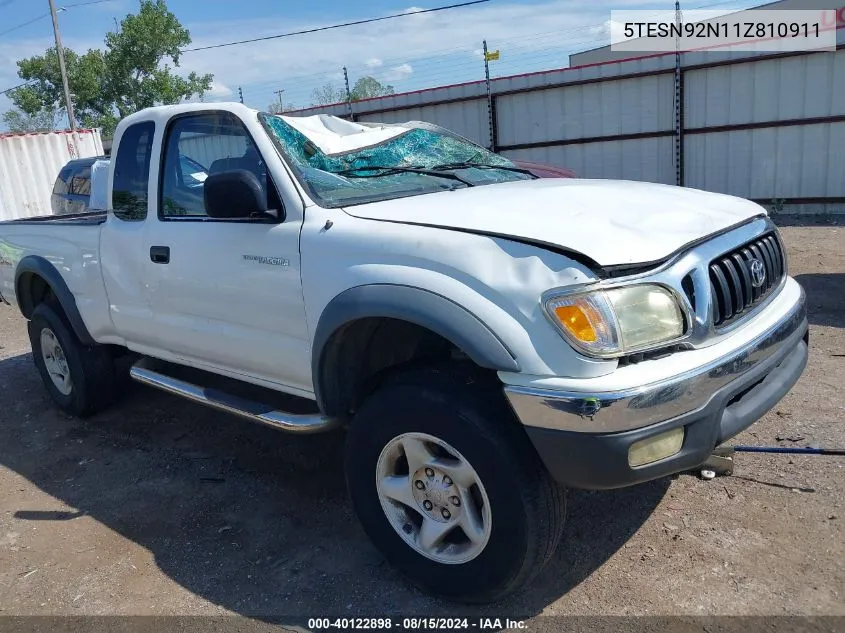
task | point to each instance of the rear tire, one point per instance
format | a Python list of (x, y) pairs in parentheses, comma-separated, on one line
[(408, 447), (80, 379)]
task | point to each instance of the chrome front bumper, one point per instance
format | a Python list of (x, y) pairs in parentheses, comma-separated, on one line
[(617, 411)]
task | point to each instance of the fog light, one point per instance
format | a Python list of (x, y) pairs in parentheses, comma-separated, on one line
[(656, 448)]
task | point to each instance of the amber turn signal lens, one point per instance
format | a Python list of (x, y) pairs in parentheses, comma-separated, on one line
[(576, 321)]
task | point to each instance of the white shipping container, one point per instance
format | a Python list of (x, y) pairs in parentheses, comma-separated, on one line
[(30, 163)]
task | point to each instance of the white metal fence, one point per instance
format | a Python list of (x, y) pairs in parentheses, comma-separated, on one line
[(769, 127)]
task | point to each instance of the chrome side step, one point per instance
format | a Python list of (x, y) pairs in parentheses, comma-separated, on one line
[(216, 399)]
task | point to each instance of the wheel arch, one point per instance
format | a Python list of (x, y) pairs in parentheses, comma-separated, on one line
[(383, 314), (34, 277)]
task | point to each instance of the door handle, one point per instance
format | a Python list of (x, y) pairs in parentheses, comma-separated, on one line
[(160, 254)]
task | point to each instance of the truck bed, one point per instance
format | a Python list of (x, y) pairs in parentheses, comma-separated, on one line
[(71, 245), (72, 218)]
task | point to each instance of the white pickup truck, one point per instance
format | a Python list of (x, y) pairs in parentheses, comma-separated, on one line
[(487, 338)]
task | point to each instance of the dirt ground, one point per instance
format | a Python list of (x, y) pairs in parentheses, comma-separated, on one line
[(163, 507)]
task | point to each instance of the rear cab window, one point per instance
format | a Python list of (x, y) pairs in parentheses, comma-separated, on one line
[(62, 186), (132, 172), (80, 184)]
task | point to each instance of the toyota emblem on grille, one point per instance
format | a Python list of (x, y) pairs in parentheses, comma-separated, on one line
[(758, 273)]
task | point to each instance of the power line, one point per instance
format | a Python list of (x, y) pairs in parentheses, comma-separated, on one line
[(40, 17), (26, 83), (522, 44), (336, 26), (46, 15), (23, 24), (84, 4), (300, 87)]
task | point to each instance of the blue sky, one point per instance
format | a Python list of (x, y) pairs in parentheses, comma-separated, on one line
[(412, 52)]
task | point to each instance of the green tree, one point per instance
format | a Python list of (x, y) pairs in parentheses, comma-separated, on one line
[(41, 121), (327, 95), (368, 87), (133, 72), (44, 93)]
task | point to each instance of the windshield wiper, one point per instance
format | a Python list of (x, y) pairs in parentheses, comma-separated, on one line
[(390, 171), (469, 164)]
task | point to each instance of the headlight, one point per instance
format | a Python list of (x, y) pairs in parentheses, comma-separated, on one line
[(617, 321)]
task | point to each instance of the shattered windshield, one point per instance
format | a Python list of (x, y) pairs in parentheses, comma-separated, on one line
[(388, 161)]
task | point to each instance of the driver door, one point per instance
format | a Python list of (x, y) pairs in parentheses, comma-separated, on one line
[(225, 293)]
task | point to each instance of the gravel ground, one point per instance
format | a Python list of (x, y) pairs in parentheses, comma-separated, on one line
[(162, 507)]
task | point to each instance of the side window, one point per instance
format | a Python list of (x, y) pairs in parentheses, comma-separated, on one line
[(199, 146), (62, 182), (80, 184), (132, 172)]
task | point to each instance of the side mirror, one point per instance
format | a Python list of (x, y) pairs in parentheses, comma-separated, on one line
[(234, 194)]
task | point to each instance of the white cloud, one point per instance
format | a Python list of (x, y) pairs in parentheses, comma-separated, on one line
[(418, 19), (398, 73), (219, 89), (615, 30), (300, 63), (423, 50)]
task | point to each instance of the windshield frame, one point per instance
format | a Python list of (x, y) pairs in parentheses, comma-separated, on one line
[(320, 201)]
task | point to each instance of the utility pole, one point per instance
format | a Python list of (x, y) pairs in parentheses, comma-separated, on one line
[(348, 94), (61, 53), (491, 123), (281, 106), (679, 102)]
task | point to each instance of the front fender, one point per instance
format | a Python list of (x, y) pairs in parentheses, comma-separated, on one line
[(420, 307)]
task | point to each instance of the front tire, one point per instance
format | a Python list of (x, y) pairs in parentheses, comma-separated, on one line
[(448, 487), (80, 379)]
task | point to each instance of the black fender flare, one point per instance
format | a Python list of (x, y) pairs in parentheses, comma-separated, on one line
[(421, 307), (36, 265)]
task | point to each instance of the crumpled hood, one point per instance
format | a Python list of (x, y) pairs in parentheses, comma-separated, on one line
[(613, 222)]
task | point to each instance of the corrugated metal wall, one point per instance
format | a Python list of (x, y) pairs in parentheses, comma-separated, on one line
[(30, 163), (780, 143), (205, 149), (627, 106), (755, 125), (651, 159), (769, 90), (564, 125), (467, 118)]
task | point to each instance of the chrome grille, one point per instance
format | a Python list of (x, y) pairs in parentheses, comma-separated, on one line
[(738, 282)]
